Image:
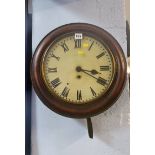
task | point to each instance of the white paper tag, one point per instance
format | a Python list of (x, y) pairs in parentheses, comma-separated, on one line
[(78, 35)]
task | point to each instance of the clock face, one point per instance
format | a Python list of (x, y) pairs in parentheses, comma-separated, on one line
[(78, 68)]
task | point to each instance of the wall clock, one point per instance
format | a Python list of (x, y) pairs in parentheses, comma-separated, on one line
[(78, 70)]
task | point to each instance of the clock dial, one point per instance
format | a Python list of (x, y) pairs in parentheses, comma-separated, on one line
[(78, 70)]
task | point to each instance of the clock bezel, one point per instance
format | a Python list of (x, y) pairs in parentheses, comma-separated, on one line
[(79, 110), (87, 35)]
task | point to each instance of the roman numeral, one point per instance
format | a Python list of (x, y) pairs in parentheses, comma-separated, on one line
[(65, 92), (101, 81), (90, 46), (104, 68), (55, 82), (100, 55), (79, 95), (65, 47), (52, 55), (93, 92), (52, 70), (77, 43)]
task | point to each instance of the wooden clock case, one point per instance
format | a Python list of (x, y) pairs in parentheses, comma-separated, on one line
[(94, 107)]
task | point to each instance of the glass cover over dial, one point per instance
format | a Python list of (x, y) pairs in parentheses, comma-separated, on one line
[(78, 68)]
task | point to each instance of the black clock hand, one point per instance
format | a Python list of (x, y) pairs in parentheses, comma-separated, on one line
[(99, 80), (89, 74), (93, 71)]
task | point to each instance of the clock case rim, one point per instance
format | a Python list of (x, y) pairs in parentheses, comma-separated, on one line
[(89, 35), (77, 110)]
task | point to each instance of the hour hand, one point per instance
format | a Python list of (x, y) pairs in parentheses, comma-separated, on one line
[(93, 71), (100, 80)]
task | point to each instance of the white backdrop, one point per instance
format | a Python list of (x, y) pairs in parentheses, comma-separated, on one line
[(53, 134)]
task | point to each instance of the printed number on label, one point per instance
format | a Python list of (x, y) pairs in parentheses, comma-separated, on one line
[(78, 35)]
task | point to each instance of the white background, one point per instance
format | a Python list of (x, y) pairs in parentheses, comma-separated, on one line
[(12, 111)]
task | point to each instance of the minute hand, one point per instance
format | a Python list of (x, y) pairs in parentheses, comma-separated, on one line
[(89, 74), (99, 80)]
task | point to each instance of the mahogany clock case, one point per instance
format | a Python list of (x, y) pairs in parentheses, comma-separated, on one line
[(93, 107)]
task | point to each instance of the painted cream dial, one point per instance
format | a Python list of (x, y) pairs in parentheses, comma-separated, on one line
[(78, 71)]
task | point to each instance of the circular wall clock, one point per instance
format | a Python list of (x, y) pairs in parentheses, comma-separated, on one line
[(78, 70)]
